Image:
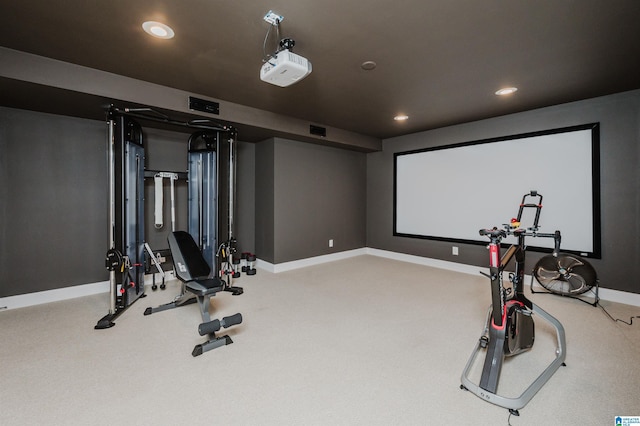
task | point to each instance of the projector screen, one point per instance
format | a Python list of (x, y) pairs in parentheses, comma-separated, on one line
[(449, 193)]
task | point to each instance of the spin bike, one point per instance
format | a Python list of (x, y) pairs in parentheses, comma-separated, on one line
[(509, 327)]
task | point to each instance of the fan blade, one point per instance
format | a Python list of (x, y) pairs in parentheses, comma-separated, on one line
[(548, 262), (587, 273), (556, 286), (546, 270), (577, 284), (568, 262), (545, 276)]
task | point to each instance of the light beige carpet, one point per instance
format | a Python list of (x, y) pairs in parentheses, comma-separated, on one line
[(363, 341)]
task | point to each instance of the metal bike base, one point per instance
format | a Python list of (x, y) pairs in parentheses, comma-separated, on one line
[(514, 404)]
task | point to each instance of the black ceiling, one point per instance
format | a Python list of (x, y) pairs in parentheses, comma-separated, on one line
[(439, 62)]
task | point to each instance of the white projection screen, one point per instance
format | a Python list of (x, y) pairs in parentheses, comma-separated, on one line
[(449, 193)]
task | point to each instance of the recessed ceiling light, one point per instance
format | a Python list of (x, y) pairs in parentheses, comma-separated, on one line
[(368, 65), (506, 91), (401, 117), (158, 29)]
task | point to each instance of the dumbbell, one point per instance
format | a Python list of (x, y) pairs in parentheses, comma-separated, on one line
[(251, 258), (243, 261)]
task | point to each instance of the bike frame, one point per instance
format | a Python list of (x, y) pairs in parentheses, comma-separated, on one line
[(495, 336), (498, 263)]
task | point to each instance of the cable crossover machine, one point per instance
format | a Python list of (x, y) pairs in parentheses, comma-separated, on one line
[(211, 178)]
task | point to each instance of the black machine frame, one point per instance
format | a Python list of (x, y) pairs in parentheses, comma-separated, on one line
[(125, 258)]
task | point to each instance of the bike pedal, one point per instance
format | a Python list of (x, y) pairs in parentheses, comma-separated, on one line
[(484, 341)]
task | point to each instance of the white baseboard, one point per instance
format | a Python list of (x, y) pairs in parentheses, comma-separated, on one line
[(302, 263), (618, 296), (610, 295), (55, 295), (426, 261), (37, 298)]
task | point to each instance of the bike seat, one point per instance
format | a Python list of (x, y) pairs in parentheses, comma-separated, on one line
[(495, 232)]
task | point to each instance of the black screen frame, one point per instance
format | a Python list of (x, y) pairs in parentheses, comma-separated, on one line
[(596, 250)]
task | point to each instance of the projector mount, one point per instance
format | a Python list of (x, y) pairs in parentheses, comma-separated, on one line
[(285, 43), (282, 67)]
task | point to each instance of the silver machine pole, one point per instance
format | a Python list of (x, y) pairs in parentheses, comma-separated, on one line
[(112, 212), (124, 257), (232, 180), (200, 203)]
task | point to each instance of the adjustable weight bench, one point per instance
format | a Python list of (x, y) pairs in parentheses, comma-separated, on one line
[(197, 286)]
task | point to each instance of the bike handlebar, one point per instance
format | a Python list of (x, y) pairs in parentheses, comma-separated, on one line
[(497, 235)]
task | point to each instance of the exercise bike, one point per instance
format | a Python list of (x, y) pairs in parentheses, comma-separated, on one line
[(509, 328)]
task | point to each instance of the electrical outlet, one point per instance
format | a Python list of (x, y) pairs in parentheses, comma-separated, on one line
[(454, 250), (273, 18), (331, 243)]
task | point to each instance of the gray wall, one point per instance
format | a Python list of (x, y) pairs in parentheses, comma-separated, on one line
[(264, 200), (619, 117), (54, 201), (165, 151), (53, 198), (246, 194), (307, 194)]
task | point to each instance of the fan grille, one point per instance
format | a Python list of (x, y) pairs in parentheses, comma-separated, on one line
[(566, 274)]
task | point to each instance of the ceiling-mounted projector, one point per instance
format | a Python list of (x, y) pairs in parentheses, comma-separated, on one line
[(285, 68)]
